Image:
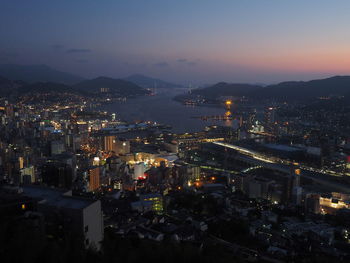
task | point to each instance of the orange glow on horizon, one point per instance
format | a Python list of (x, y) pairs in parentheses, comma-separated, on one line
[(309, 62)]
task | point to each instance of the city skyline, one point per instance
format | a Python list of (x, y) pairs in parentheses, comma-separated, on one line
[(197, 42), (174, 131)]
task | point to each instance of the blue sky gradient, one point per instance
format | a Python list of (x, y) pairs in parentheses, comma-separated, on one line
[(198, 41)]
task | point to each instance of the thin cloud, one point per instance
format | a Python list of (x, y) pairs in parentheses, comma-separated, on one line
[(161, 64), (78, 50), (182, 60), (192, 63), (188, 62), (57, 46)]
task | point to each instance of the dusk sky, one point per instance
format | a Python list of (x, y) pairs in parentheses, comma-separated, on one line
[(198, 41)]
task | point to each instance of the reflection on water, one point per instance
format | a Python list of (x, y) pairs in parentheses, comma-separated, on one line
[(163, 109)]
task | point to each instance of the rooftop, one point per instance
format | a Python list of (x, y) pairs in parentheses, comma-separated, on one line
[(56, 197), (280, 147)]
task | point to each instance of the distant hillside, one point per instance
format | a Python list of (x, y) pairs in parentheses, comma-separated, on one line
[(148, 82), (226, 89), (37, 73), (110, 85), (8, 87), (46, 87), (291, 90), (116, 87), (338, 85)]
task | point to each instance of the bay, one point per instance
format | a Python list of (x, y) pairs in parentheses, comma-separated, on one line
[(161, 108)]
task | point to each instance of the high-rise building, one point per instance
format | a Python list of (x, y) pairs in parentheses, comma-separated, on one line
[(270, 118), (312, 203), (193, 172), (21, 162), (156, 201), (113, 144), (94, 178), (57, 147), (109, 143), (297, 195), (57, 174)]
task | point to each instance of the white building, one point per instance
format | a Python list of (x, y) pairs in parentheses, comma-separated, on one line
[(27, 175), (80, 218), (139, 171)]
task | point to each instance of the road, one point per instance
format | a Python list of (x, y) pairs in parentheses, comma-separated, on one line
[(276, 163)]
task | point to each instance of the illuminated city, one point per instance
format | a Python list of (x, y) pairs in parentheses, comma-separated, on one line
[(237, 149)]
